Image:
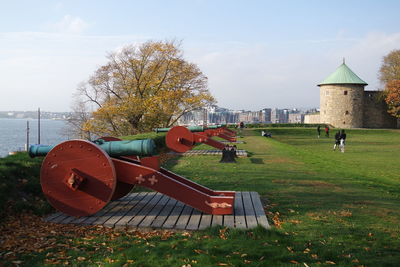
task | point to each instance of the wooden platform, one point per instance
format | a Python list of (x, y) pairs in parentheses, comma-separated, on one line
[(153, 210), (239, 152), (228, 142)]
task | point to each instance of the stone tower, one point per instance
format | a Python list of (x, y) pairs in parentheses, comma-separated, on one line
[(342, 99)]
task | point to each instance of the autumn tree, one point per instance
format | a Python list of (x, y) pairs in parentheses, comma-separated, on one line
[(142, 87), (392, 97), (80, 116), (389, 75), (390, 69)]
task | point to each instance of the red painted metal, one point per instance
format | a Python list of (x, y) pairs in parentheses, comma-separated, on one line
[(222, 133), (78, 178), (181, 139), (199, 197), (121, 189)]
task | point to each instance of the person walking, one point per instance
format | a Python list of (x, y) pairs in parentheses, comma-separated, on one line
[(319, 130), (342, 140), (337, 140), (326, 131)]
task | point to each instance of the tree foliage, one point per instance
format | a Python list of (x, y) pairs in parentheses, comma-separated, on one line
[(389, 75), (390, 69), (142, 87), (392, 98)]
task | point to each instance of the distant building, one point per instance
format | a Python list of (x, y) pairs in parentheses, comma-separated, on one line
[(345, 104), (279, 115), (296, 118)]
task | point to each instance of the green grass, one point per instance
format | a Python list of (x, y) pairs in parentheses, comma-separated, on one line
[(20, 186), (328, 207)]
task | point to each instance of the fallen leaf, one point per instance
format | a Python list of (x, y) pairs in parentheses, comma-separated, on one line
[(199, 251), (294, 262), (330, 262), (81, 258)]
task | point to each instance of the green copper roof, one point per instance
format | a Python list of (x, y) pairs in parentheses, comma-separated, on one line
[(343, 75)]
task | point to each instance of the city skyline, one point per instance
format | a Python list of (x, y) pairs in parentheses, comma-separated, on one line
[(255, 55)]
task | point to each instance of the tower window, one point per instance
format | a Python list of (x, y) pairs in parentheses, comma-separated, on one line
[(347, 112), (345, 92)]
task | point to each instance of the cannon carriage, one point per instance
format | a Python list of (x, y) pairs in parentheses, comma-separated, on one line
[(80, 177), (181, 139)]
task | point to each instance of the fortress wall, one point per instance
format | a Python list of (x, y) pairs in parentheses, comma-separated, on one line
[(375, 112), (311, 118), (342, 105)]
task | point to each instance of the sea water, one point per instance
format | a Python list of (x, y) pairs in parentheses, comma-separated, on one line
[(13, 135)]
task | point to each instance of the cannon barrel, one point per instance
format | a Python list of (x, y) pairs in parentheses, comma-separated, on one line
[(145, 147), (214, 126), (191, 128)]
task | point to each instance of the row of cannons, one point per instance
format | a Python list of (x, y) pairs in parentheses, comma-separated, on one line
[(80, 177)]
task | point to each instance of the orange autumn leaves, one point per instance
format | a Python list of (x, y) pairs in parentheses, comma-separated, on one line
[(143, 87), (392, 97)]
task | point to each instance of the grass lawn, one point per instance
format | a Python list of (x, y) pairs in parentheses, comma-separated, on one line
[(325, 207)]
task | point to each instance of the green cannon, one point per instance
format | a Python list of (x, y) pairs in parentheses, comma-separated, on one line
[(145, 147), (190, 128)]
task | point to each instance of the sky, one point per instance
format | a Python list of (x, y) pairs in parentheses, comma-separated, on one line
[(256, 54)]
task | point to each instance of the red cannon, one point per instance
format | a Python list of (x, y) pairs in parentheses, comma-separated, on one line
[(181, 139), (212, 130), (79, 177)]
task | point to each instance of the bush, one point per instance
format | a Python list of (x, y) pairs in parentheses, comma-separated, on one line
[(20, 188)]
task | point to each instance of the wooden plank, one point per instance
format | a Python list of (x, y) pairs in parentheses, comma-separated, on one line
[(68, 220), (162, 217), (94, 217), (194, 220), (125, 206), (135, 209), (147, 221), (60, 218), (184, 218), (159, 211), (144, 211), (229, 221), (259, 210), (205, 221), (249, 210), (52, 217), (240, 219), (174, 216), (217, 220)]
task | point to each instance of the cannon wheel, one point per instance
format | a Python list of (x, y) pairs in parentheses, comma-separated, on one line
[(179, 139), (122, 189), (84, 165)]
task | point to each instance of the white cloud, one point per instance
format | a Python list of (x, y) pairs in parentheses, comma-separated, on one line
[(70, 24), (253, 76), (40, 69)]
